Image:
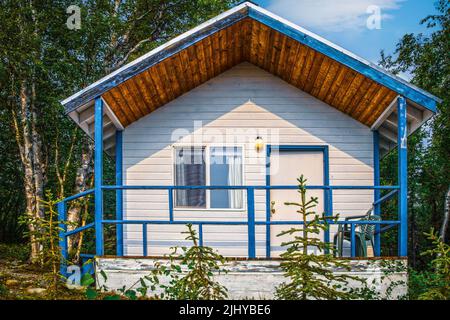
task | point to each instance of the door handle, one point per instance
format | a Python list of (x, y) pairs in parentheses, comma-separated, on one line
[(272, 207)]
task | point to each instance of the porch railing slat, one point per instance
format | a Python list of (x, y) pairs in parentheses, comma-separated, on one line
[(144, 239), (353, 238), (251, 222)]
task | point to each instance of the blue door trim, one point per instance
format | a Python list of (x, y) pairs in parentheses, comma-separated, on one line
[(328, 205)]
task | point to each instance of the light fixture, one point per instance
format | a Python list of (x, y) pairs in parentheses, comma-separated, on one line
[(259, 144)]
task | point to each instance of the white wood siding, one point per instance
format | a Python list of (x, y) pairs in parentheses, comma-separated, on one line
[(235, 108)]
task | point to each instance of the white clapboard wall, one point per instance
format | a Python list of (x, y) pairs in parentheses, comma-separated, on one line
[(243, 102)]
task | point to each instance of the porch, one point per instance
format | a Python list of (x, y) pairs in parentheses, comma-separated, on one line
[(250, 223)]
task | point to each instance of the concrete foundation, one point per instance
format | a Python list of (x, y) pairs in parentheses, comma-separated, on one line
[(257, 279)]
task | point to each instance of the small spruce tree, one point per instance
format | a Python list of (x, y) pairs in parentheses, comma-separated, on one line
[(191, 273), (439, 283), (311, 275)]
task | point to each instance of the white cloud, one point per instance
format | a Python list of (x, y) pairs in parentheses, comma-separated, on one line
[(331, 15)]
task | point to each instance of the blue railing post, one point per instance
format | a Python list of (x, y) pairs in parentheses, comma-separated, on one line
[(376, 194), (402, 177), (61, 206), (119, 194), (200, 234), (251, 222), (98, 179), (268, 209), (328, 206), (352, 240), (329, 213), (144, 240), (170, 194)]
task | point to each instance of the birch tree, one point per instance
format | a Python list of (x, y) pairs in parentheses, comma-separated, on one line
[(133, 28)]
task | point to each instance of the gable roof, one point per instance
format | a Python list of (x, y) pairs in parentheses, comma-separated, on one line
[(247, 32)]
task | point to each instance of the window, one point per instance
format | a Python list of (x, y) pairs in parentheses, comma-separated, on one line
[(190, 170), (225, 169)]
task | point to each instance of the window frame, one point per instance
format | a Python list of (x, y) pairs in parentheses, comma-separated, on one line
[(208, 147)]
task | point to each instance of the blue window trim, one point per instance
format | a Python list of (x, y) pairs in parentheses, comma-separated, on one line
[(328, 205)]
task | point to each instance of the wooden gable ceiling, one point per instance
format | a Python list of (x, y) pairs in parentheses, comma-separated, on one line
[(252, 41)]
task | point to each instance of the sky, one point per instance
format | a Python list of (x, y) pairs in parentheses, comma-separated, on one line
[(344, 22)]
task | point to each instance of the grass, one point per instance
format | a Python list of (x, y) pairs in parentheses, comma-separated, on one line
[(18, 277)]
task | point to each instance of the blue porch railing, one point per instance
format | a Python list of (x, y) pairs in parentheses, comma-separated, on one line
[(250, 222)]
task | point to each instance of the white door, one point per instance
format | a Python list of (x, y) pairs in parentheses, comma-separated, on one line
[(285, 168)]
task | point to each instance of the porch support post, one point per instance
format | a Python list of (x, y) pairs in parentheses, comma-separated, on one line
[(376, 194), (98, 178), (119, 194), (251, 222), (62, 209), (402, 177)]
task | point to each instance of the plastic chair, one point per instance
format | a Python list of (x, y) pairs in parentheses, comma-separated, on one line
[(363, 233)]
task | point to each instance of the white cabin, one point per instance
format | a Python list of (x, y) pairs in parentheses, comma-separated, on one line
[(214, 127)]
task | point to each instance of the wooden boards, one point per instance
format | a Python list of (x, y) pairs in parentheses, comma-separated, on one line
[(249, 40)]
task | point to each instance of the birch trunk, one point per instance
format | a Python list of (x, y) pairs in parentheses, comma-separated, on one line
[(446, 215), (22, 129), (81, 182), (28, 139), (38, 163)]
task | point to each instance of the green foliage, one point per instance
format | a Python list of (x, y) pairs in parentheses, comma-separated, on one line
[(191, 273), (46, 231), (311, 275), (190, 276), (39, 49), (19, 252), (439, 282), (426, 59)]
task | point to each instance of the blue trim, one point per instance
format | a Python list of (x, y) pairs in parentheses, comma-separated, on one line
[(200, 234), (370, 71), (62, 209), (352, 241), (402, 177), (119, 193), (259, 187), (376, 193), (79, 195), (328, 205), (268, 213), (170, 194), (243, 223), (251, 222), (146, 61), (98, 173), (386, 197), (144, 240), (77, 230), (367, 69)]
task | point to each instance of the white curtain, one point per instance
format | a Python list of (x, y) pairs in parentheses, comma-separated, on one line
[(180, 178), (235, 179), (190, 171)]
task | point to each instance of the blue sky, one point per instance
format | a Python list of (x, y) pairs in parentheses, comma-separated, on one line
[(344, 21)]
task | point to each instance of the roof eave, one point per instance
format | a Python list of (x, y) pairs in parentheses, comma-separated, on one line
[(230, 17)]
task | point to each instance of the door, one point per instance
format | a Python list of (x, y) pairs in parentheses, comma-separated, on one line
[(285, 168)]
